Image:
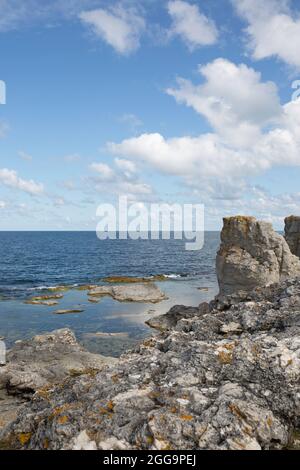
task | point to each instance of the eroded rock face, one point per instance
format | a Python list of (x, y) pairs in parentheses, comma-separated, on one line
[(252, 254), (292, 234), (40, 363), (46, 359), (226, 379)]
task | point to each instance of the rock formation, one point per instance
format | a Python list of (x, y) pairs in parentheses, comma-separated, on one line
[(42, 362), (252, 254), (292, 234), (143, 292), (225, 379)]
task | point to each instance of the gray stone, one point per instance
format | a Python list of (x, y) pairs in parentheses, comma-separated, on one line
[(292, 234), (147, 292), (170, 319), (46, 360), (226, 379), (252, 255)]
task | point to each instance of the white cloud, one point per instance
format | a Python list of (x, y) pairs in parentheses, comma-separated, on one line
[(11, 179), (191, 25), (233, 99), (273, 29), (119, 27), (103, 171), (239, 109), (127, 166), (2, 205)]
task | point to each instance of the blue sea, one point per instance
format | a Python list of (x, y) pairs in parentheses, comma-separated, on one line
[(33, 263)]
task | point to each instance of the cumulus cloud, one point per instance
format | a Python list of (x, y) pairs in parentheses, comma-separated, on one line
[(119, 27), (233, 99), (105, 172), (11, 179), (243, 142), (122, 180), (127, 166), (273, 29), (191, 25)]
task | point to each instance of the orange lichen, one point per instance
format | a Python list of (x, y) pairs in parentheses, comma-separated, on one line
[(62, 419), (186, 417), (24, 438)]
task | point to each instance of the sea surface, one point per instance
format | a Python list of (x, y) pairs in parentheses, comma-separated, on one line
[(34, 263)]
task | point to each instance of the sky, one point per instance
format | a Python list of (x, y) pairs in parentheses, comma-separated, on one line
[(163, 101)]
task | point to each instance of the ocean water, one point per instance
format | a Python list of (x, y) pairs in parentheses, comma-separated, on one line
[(31, 263)]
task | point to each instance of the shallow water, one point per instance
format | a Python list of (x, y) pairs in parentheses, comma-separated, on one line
[(33, 261)]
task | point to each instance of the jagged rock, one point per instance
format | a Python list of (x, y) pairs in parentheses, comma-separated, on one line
[(292, 234), (147, 292), (170, 319), (252, 254), (46, 360), (227, 379)]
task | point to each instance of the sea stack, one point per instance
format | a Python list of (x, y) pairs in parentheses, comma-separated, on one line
[(292, 234), (252, 255)]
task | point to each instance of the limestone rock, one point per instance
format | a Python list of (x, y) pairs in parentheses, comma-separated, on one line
[(147, 292), (170, 319), (292, 234), (252, 254), (46, 360), (227, 379)]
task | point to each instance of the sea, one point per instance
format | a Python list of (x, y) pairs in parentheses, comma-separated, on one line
[(36, 263)]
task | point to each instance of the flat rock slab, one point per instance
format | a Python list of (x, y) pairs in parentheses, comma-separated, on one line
[(134, 292), (47, 359), (66, 312)]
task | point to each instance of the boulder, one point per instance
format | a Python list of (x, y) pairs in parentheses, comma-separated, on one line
[(46, 360), (252, 255), (292, 234), (169, 320)]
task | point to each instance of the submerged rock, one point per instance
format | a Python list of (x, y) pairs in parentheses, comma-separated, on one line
[(292, 234), (228, 378), (252, 254), (65, 312), (147, 292)]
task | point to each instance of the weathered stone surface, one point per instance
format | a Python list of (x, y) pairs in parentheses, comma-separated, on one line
[(292, 234), (252, 254), (147, 292), (170, 319), (46, 359), (227, 379)]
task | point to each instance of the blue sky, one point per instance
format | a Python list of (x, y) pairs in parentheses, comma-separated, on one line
[(174, 101)]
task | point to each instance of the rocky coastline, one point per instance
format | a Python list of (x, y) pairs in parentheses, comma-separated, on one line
[(223, 375)]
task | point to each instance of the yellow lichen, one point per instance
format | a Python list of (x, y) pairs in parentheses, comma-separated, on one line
[(24, 438), (186, 417), (62, 419)]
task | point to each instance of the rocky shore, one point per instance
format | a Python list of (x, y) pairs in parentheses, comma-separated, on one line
[(224, 375)]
